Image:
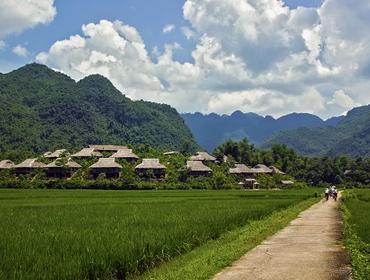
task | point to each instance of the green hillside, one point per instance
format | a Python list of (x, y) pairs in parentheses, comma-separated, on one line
[(42, 110), (350, 137)]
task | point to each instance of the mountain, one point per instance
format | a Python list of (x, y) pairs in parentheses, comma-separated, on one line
[(212, 130), (42, 110), (351, 136)]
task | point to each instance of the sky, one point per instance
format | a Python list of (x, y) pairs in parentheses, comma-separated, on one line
[(270, 57)]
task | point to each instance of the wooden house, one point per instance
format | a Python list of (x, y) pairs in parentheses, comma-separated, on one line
[(249, 183), (240, 170), (6, 164), (55, 155), (287, 183), (86, 153), (203, 156), (28, 166), (151, 166), (108, 166), (107, 148), (59, 169), (125, 154), (197, 168)]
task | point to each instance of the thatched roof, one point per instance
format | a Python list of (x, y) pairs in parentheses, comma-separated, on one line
[(276, 170), (30, 163), (6, 164), (261, 168), (198, 166), (150, 163), (87, 152), (251, 180), (107, 148), (240, 169), (106, 163), (57, 163), (126, 153), (202, 156), (171, 153), (287, 182), (55, 154)]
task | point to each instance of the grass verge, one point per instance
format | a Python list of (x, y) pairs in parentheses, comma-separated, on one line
[(208, 259), (359, 251)]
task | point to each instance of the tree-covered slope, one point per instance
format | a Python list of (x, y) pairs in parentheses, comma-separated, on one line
[(42, 110), (212, 130), (351, 136)]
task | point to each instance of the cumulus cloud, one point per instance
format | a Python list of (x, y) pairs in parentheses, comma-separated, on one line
[(19, 15), (252, 55), (20, 51), (168, 28), (341, 99)]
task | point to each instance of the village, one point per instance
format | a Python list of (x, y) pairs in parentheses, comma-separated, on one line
[(107, 160)]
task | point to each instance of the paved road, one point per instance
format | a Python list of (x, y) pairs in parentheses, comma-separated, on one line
[(309, 248)]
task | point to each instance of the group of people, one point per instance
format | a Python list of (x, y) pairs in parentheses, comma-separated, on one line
[(331, 192)]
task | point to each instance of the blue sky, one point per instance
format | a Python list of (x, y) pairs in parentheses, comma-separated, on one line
[(259, 56), (148, 17)]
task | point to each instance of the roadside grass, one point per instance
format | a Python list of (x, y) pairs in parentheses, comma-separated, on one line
[(53, 234), (205, 261), (356, 211)]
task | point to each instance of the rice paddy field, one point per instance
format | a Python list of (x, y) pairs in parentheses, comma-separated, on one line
[(59, 234), (356, 212), (359, 207)]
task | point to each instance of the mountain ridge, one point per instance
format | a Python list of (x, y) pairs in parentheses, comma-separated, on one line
[(212, 129), (43, 109)]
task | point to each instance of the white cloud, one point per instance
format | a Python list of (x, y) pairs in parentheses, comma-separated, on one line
[(188, 32), (19, 15), (168, 28), (20, 51), (341, 99), (252, 55), (2, 45)]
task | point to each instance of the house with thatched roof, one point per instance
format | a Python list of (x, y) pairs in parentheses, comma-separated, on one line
[(107, 148), (86, 153), (287, 183), (276, 170), (61, 169), (249, 183), (203, 156), (260, 169), (151, 166), (6, 164), (55, 155), (107, 166), (197, 168), (240, 170), (28, 166), (125, 154)]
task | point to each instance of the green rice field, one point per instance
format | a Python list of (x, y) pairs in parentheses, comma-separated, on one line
[(356, 212), (359, 207), (84, 234)]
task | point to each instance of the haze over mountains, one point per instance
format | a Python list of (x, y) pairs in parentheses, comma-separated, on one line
[(212, 130)]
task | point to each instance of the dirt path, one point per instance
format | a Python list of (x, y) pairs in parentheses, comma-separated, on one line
[(309, 248)]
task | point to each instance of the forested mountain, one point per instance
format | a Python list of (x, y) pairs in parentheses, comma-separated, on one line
[(212, 130), (42, 110), (351, 136)]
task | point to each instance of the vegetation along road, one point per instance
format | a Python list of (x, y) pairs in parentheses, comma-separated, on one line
[(309, 248)]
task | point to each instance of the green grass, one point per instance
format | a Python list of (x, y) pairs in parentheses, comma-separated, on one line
[(205, 261), (51, 234), (356, 211)]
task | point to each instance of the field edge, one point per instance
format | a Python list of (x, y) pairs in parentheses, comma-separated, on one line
[(357, 249), (205, 261)]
